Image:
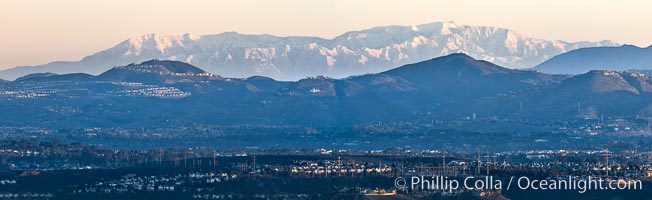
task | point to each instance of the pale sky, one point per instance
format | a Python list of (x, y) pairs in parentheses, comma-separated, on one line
[(39, 31)]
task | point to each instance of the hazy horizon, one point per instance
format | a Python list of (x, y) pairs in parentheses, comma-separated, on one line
[(40, 31)]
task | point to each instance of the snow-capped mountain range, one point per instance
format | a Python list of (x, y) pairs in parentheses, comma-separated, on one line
[(372, 50)]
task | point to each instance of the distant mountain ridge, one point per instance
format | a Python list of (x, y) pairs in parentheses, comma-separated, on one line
[(372, 50), (163, 92), (583, 60), (36, 75), (591, 95)]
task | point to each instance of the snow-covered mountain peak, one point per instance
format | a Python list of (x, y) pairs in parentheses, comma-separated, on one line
[(372, 50), (159, 42)]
